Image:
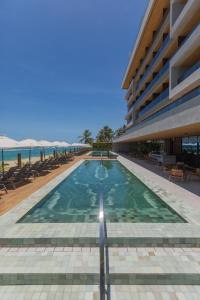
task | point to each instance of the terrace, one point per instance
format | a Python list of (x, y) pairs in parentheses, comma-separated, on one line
[(68, 253)]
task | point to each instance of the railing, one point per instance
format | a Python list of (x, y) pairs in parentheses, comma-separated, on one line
[(189, 96), (152, 43), (150, 50), (163, 46), (155, 101), (168, 108), (103, 253), (188, 36), (188, 72), (156, 78)]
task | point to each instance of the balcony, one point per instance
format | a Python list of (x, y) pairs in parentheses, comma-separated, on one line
[(186, 16), (154, 60), (186, 56), (188, 72), (160, 98), (188, 36), (129, 92), (194, 93), (162, 72), (183, 112), (155, 40)]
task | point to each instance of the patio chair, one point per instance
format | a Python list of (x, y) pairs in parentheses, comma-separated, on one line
[(177, 174)]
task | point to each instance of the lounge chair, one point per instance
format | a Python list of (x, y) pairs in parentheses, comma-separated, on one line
[(3, 188), (16, 181), (10, 172)]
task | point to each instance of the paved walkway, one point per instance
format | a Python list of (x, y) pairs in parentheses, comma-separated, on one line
[(91, 292), (68, 280), (193, 185)]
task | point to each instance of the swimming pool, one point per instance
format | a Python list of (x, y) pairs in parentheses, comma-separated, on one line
[(100, 153), (76, 199)]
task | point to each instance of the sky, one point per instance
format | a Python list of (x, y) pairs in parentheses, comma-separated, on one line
[(62, 64)]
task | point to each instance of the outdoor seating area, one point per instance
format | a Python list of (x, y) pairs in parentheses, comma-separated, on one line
[(178, 172)]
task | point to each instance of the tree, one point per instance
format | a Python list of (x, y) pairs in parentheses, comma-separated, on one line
[(105, 135), (86, 137)]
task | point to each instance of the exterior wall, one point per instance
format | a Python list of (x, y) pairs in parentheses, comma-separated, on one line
[(181, 14), (184, 119), (178, 65)]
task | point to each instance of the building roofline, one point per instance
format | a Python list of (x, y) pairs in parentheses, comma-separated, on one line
[(138, 39)]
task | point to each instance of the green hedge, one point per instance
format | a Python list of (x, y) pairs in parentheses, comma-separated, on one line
[(102, 146)]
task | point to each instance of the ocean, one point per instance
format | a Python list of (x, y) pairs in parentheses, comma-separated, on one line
[(11, 154)]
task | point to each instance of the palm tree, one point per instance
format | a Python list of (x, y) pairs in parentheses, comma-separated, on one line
[(86, 137), (105, 135)]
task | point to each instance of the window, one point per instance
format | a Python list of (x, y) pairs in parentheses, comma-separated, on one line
[(191, 145)]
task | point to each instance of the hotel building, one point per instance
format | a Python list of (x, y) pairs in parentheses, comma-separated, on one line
[(162, 79)]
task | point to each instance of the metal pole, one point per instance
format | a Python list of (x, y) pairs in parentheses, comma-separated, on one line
[(19, 160), (29, 158), (101, 248), (2, 161)]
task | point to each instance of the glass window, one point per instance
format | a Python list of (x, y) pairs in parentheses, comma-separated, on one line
[(191, 144)]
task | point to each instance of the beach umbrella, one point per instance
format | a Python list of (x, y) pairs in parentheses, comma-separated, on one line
[(65, 144), (45, 144), (6, 143), (29, 143)]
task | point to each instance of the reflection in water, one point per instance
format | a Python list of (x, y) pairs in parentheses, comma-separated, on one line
[(101, 172), (76, 199)]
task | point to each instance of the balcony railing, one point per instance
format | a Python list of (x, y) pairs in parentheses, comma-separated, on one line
[(163, 46), (160, 98), (129, 92), (188, 36), (187, 97), (188, 72), (152, 43), (194, 93), (150, 50), (153, 82)]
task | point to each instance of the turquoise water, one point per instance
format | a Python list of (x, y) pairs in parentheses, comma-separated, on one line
[(100, 153), (126, 198), (35, 152)]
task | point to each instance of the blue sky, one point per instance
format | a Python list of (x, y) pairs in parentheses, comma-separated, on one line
[(62, 63)]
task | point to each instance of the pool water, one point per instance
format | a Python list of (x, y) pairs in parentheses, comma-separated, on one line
[(100, 153), (126, 198)]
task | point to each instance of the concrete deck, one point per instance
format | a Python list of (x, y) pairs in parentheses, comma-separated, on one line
[(192, 185)]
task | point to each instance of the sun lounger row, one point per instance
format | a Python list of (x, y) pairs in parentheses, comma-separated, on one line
[(16, 176)]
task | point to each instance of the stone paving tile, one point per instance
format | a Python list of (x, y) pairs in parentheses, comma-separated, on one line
[(154, 260), (152, 292), (46, 292), (88, 292), (80, 260)]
